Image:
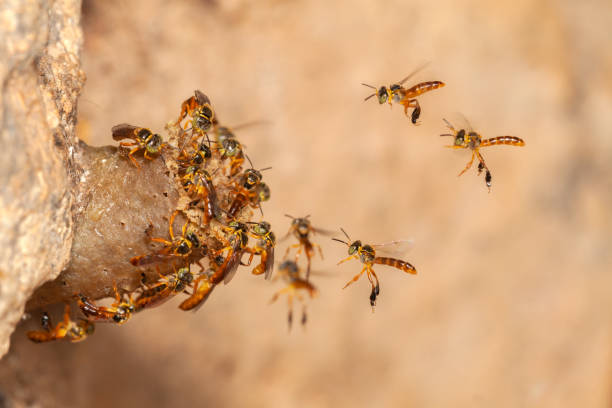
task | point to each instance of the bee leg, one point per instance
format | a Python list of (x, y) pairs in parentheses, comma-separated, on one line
[(117, 296), (467, 167), (147, 155), (347, 259), (320, 250), (483, 166), (307, 268), (304, 316), (132, 158), (163, 241), (66, 320), (298, 252), (171, 226), (355, 278), (280, 292), (290, 314), (252, 254), (184, 109), (377, 282), (416, 113)]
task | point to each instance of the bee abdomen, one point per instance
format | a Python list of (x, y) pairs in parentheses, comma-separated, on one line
[(396, 263), (503, 140), (426, 86)]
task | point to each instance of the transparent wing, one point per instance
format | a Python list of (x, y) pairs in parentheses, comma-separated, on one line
[(394, 249), (325, 232), (413, 73)]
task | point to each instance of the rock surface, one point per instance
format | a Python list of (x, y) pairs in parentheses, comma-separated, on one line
[(41, 78)]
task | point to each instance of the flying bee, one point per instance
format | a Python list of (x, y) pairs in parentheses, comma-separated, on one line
[(66, 329), (264, 247), (177, 246), (119, 312), (200, 110), (290, 272), (248, 190), (200, 186), (164, 289), (367, 255), (301, 228), (405, 96), (143, 139), (471, 140)]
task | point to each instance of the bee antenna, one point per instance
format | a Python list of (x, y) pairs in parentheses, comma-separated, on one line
[(447, 134), (265, 168), (369, 86), (339, 240), (260, 209), (290, 216), (342, 229), (249, 159), (369, 97)]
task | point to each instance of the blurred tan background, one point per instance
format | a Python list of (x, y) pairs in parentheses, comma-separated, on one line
[(511, 306)]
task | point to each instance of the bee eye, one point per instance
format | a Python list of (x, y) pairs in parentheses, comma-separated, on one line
[(382, 95)]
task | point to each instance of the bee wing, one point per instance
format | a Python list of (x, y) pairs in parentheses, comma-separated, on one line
[(324, 232), (201, 97), (269, 263), (232, 266), (394, 249), (468, 125), (287, 235), (413, 73), (124, 131)]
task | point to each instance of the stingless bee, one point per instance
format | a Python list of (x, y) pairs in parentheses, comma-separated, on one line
[(290, 272), (199, 185), (200, 110), (405, 96), (367, 255), (66, 329), (142, 139), (164, 289), (264, 247), (471, 140), (248, 190), (119, 312), (177, 246), (301, 228)]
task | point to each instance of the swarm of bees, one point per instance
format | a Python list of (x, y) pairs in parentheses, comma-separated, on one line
[(218, 198), (210, 232)]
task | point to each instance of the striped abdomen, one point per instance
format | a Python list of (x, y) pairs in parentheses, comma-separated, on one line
[(202, 290), (503, 140), (396, 263), (422, 88), (40, 336)]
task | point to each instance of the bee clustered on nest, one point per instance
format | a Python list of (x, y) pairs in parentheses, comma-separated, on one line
[(208, 232)]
